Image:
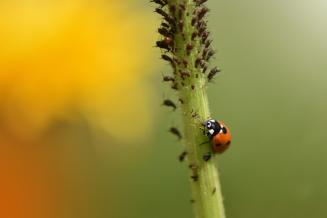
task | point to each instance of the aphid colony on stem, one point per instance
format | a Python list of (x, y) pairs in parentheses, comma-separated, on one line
[(198, 45)]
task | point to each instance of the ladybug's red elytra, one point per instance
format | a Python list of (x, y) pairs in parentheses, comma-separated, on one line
[(218, 134)]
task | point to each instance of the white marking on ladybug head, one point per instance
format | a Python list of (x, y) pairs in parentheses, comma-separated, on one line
[(211, 131)]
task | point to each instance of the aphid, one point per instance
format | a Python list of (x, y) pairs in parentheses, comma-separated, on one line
[(193, 87), (164, 31), (200, 2), (167, 18), (162, 44), (162, 3), (167, 58), (197, 62), (194, 34), (195, 175), (207, 156), (165, 25), (184, 74), (212, 73), (181, 101), (189, 48), (176, 132), (181, 25), (193, 21), (204, 69), (192, 201), (182, 156), (172, 9), (203, 10), (195, 178), (207, 43), (169, 103), (219, 135), (214, 190), (168, 78), (209, 55), (205, 35), (174, 86)]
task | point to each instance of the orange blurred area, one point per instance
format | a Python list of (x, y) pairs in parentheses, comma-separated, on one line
[(67, 70)]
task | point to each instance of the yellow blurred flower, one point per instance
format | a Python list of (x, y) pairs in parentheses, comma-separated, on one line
[(61, 56)]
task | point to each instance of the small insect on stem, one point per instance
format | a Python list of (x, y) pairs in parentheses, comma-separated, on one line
[(162, 3), (182, 156), (212, 73), (176, 132), (169, 103), (168, 79)]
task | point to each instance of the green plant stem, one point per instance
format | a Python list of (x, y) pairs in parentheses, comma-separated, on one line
[(206, 192)]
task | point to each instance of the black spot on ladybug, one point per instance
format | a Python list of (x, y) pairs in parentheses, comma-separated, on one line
[(224, 130)]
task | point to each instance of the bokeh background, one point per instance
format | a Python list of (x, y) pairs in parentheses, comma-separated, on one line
[(83, 135)]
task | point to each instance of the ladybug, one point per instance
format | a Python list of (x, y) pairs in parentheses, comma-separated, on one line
[(218, 134)]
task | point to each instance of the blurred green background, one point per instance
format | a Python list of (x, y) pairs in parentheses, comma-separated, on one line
[(271, 93)]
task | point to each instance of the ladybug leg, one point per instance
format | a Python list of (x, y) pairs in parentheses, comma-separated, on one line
[(207, 156)]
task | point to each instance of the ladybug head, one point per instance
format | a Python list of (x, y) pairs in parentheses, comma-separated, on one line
[(213, 127)]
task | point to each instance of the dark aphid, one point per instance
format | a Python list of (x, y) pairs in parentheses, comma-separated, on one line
[(168, 79), (201, 29), (204, 70), (203, 10), (212, 73), (176, 132), (192, 201), (194, 169), (189, 48), (184, 74), (174, 86), (162, 44), (197, 62), (164, 32), (181, 101), (162, 3), (204, 53), (202, 64), (182, 7), (195, 178), (181, 25), (167, 18), (205, 35), (209, 55), (161, 12), (214, 190), (165, 25), (172, 9), (199, 2), (176, 60), (182, 156), (192, 87), (167, 58), (193, 21), (169, 103), (207, 156), (207, 43), (194, 34)]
